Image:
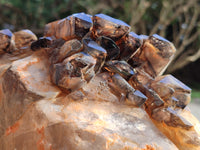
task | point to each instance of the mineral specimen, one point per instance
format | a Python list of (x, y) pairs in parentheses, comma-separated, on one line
[(88, 84)]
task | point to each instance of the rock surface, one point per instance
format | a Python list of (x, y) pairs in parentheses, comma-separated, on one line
[(35, 115)]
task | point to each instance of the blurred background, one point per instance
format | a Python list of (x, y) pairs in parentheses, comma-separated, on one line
[(178, 21)]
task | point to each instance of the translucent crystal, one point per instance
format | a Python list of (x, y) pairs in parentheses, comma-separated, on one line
[(110, 46), (96, 51), (129, 44), (67, 49), (126, 92), (120, 67), (74, 26), (82, 87), (154, 55), (173, 91), (104, 25), (74, 71)]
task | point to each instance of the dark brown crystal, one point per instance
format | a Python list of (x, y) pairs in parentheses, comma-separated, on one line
[(104, 25)]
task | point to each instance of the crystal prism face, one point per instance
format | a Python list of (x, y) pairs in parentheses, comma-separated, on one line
[(129, 45), (170, 80), (104, 25), (140, 81), (120, 67), (96, 51), (173, 91), (74, 71), (74, 26), (6, 41), (110, 46), (127, 92), (171, 117), (155, 55), (66, 50)]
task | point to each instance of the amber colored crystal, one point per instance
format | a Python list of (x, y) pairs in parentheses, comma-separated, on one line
[(110, 46), (129, 45), (74, 71), (104, 25), (173, 91), (96, 51), (120, 67), (154, 55), (74, 26), (67, 49)]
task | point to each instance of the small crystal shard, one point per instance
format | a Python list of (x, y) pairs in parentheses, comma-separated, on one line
[(171, 117)]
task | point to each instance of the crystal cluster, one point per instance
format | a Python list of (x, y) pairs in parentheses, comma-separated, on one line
[(81, 47)]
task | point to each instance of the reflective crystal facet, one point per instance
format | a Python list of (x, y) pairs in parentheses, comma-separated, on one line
[(96, 51)]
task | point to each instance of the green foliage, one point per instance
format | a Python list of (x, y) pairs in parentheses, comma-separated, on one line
[(195, 94)]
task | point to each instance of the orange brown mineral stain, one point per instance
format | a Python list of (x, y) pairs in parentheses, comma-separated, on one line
[(41, 142), (12, 129), (111, 141), (148, 147)]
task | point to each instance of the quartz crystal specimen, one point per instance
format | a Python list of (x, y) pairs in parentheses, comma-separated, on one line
[(90, 83)]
